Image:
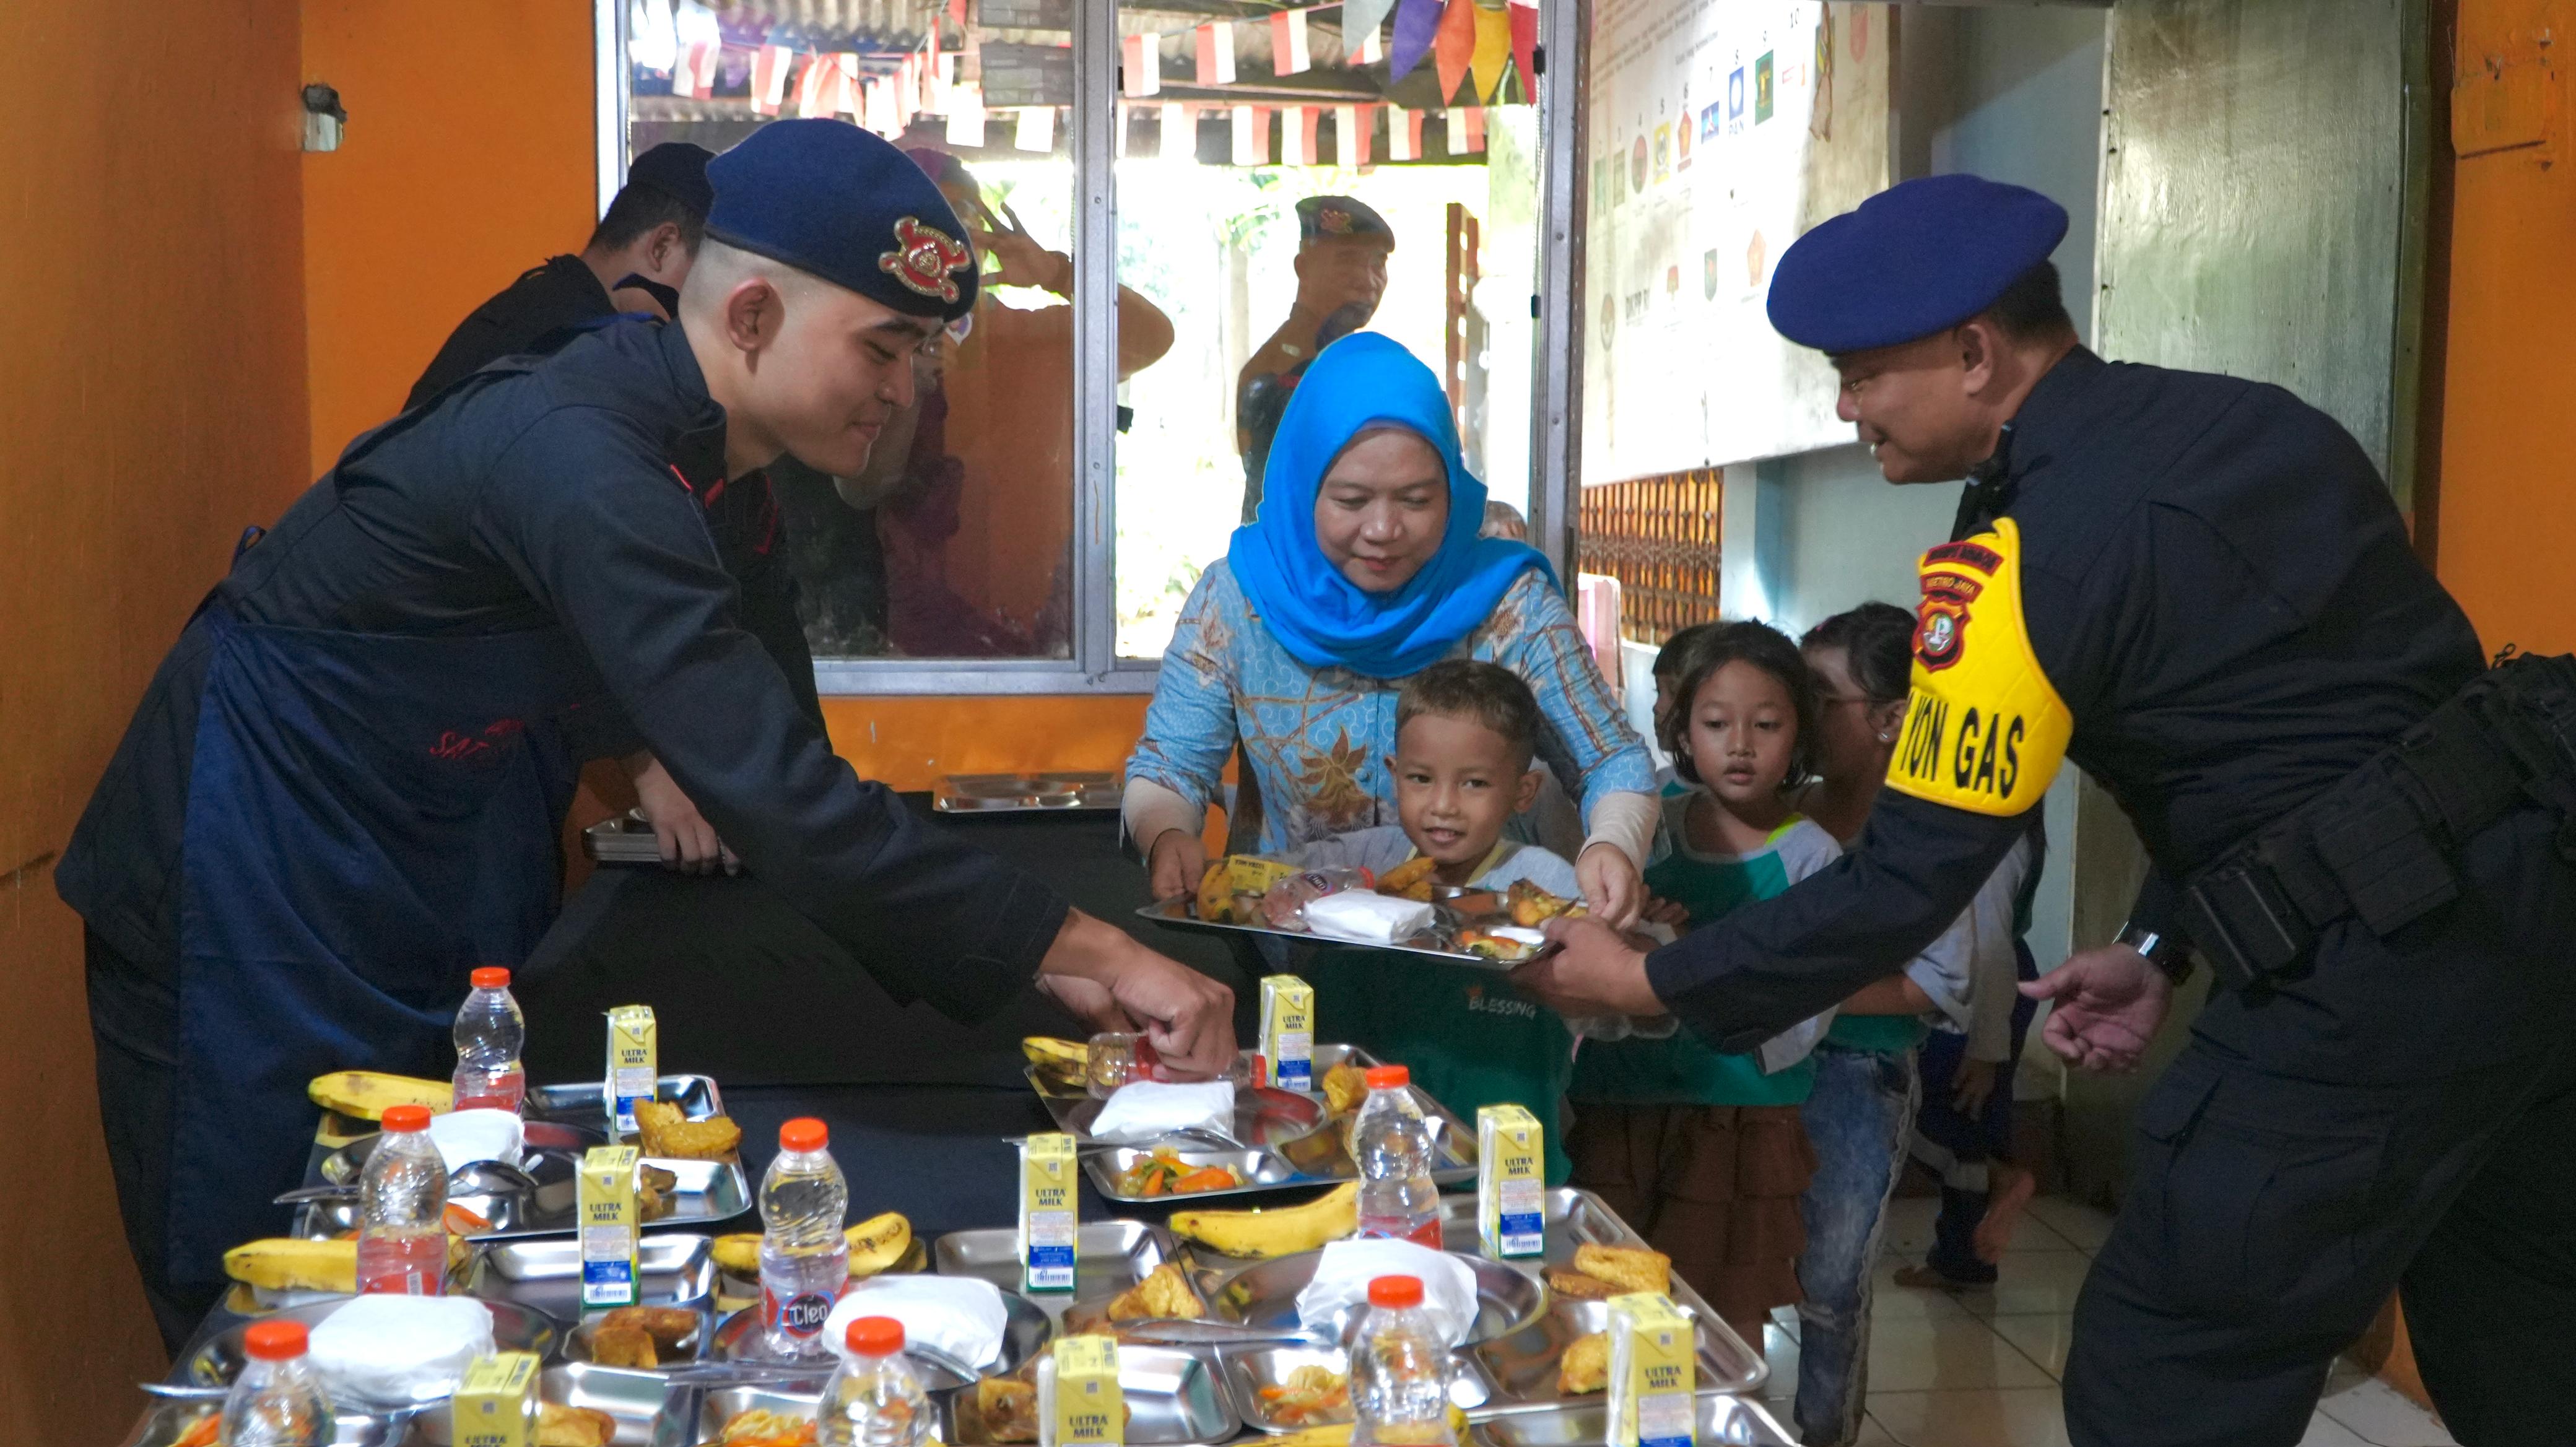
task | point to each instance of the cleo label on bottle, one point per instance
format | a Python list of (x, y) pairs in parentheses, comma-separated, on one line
[(634, 1066), (1511, 1182), (1287, 1049), (1049, 1205), (609, 1222), (1653, 1377), (496, 1403)]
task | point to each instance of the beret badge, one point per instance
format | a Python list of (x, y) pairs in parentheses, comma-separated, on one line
[(1334, 222), (923, 258)]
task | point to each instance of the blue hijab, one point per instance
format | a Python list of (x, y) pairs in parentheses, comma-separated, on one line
[(1323, 619)]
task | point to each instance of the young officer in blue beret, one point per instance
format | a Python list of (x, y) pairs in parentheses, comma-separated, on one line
[(2197, 589), (341, 792)]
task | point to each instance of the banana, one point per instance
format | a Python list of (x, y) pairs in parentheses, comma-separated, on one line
[(364, 1094), (1281, 1231), (876, 1245), (1060, 1063), (1340, 1436), (283, 1263)]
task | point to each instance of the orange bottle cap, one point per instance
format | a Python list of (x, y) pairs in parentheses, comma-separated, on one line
[(1395, 1291), (1388, 1077), (875, 1336), (276, 1341), (491, 977), (804, 1133), (400, 1118)]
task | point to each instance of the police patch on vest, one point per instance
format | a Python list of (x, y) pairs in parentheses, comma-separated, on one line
[(1984, 729)]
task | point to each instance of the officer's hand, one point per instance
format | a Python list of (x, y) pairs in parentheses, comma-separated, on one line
[(1596, 973), (1660, 910), (1970, 1087), (1188, 1017), (1024, 262), (1177, 862), (688, 842), (1610, 884), (2106, 1005)]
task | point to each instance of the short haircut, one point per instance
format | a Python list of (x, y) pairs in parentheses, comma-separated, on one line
[(1483, 693), (1767, 648), (1669, 658), (1878, 639), (641, 206), (2033, 308)]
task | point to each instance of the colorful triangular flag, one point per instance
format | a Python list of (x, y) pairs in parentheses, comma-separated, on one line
[(1370, 47), (1454, 46), (1288, 53), (1141, 62), (1415, 23), (1493, 48), (1363, 17), (1525, 48), (769, 68)]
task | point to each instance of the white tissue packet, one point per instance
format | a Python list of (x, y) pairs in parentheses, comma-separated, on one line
[(393, 1351), (1339, 1290), (1148, 1110), (466, 1136), (1368, 918), (959, 1315)]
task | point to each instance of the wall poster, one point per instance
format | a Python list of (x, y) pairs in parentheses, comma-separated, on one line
[(1721, 130)]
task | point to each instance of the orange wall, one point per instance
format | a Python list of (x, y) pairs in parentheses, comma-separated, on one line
[(153, 392), (2506, 504), (469, 158), (907, 743)]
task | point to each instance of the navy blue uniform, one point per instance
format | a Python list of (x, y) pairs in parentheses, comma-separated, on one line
[(2217, 586), (341, 790)]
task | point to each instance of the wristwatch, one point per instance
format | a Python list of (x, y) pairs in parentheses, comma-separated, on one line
[(2169, 955)]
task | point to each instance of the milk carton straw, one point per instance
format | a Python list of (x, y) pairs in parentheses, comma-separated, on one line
[(1511, 1181)]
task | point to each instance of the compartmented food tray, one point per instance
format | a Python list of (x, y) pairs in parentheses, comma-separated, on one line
[(1026, 1332), (1723, 1422), (1174, 1399), (1175, 914), (1263, 1294), (1295, 1146), (1251, 1373), (676, 1269), (1012, 793), (1109, 1257)]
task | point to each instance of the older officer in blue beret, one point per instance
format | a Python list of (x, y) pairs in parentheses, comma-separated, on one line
[(2198, 589), (341, 792)]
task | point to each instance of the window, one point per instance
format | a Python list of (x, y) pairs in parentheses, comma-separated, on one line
[(1036, 524)]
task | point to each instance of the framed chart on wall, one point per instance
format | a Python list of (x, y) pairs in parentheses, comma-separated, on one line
[(1720, 131)]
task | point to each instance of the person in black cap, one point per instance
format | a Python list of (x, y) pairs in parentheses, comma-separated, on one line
[(2198, 589), (649, 236), (1342, 247), (340, 793)]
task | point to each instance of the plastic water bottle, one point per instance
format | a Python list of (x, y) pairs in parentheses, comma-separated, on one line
[(1399, 1371), (277, 1401), (804, 1258), (1392, 1143), (874, 1398), (490, 1032), (402, 1209)]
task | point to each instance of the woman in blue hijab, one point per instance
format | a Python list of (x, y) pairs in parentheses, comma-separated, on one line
[(1364, 567)]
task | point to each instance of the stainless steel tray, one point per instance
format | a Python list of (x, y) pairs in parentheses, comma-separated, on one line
[(1264, 1116), (213, 1357), (1574, 1217), (585, 1102), (1723, 1422), (1019, 793), (1174, 1399), (626, 839), (634, 1400), (707, 1192), (677, 1269), (1027, 1331), (1249, 1371), (1175, 914), (1109, 1257), (1523, 1366), (1264, 1294), (688, 1352)]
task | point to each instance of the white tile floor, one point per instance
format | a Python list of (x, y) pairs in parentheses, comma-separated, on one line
[(1980, 1369)]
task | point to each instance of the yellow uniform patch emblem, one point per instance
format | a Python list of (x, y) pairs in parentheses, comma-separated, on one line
[(1984, 729)]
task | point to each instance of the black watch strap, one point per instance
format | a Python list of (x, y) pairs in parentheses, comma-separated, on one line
[(2167, 953)]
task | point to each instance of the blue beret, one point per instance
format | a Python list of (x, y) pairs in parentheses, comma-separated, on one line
[(843, 204), (1914, 259)]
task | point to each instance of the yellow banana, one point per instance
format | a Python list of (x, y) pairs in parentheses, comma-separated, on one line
[(875, 1245), (1280, 1231), (365, 1094), (283, 1263), (1340, 1436)]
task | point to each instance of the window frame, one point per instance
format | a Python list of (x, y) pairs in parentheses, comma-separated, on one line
[(1095, 667)]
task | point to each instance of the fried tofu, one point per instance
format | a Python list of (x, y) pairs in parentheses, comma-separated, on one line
[(1164, 1295), (1345, 1087), (1009, 1409), (562, 1426), (1626, 1267), (1575, 1286), (668, 1326), (1585, 1367), (670, 1134), (623, 1344)]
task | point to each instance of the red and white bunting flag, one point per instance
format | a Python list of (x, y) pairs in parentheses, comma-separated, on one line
[(1454, 121), (1141, 61), (907, 87), (1288, 53), (1126, 118), (695, 75), (811, 85), (1297, 135), (1351, 127), (1370, 48), (1403, 134), (1180, 132), (1475, 129), (1252, 135), (934, 74), (943, 83), (1215, 44), (966, 116), (769, 70), (1037, 129), (846, 99)]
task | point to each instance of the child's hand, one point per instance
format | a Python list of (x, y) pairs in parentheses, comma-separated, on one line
[(1971, 1087), (1610, 884), (1660, 910)]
